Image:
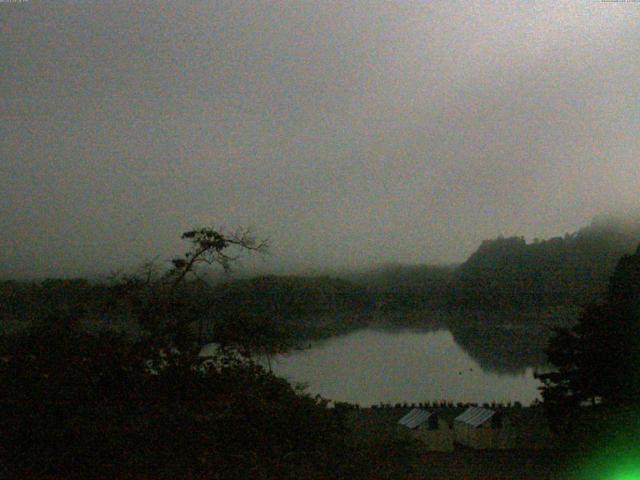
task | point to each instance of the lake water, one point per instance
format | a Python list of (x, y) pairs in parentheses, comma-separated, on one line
[(370, 366)]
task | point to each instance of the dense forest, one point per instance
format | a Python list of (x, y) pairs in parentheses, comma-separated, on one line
[(573, 269), (509, 273)]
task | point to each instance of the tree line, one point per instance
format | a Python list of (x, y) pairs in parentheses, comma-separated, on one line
[(504, 273), (509, 273)]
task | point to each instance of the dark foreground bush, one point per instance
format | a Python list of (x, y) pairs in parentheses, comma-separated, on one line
[(76, 404)]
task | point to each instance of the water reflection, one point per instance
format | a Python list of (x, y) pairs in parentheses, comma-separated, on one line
[(412, 365), (504, 349)]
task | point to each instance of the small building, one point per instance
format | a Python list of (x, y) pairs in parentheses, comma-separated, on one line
[(429, 428), (483, 429)]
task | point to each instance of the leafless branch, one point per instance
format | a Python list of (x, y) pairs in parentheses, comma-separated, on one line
[(208, 247)]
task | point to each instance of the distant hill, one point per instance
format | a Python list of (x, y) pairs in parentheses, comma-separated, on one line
[(511, 273), (571, 269)]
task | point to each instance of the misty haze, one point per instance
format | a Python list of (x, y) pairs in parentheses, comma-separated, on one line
[(319, 239)]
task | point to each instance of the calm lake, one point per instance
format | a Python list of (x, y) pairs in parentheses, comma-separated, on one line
[(370, 366)]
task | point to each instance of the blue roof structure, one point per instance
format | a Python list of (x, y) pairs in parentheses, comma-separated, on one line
[(475, 416), (415, 418)]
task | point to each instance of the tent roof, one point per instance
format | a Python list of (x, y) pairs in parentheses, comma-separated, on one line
[(475, 416), (415, 418)]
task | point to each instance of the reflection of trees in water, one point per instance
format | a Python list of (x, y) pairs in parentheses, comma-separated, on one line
[(502, 348), (501, 342), (498, 346), (322, 331), (505, 342), (416, 321)]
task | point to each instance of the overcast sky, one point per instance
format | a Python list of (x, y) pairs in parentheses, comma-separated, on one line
[(350, 133)]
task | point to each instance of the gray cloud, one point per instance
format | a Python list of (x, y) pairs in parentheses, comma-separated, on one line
[(350, 133)]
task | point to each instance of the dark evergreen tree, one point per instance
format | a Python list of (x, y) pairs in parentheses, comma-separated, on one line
[(598, 359)]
